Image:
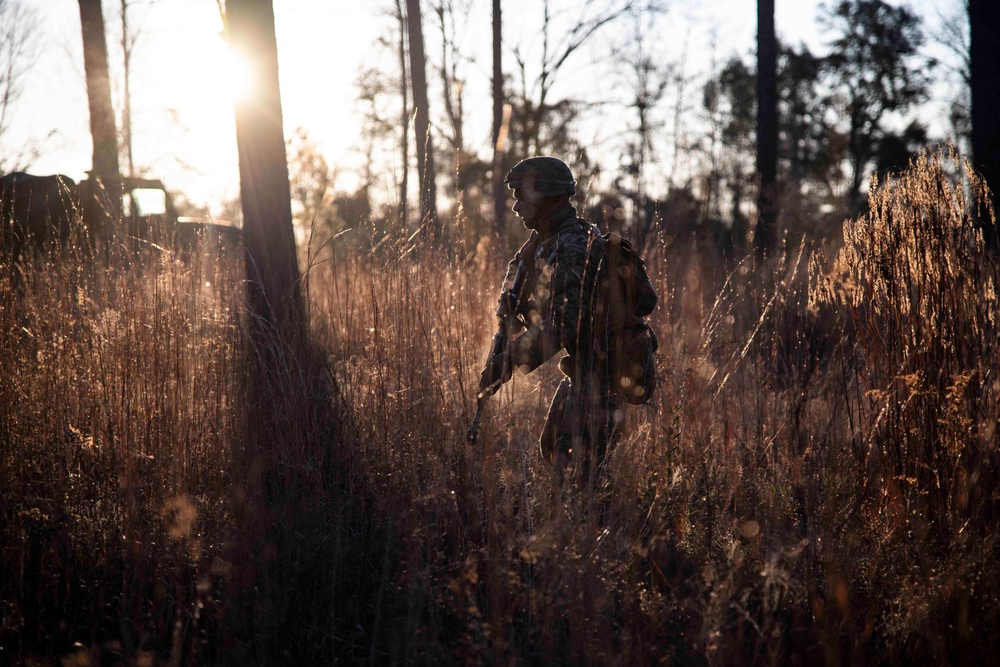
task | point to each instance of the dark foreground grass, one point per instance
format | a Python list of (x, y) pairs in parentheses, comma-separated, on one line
[(815, 481)]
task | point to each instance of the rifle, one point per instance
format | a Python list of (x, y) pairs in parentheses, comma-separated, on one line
[(509, 325)]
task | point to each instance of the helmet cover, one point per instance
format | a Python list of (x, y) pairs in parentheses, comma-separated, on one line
[(550, 176)]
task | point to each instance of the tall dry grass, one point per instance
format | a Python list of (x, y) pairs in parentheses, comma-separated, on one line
[(814, 480), (120, 406), (767, 508)]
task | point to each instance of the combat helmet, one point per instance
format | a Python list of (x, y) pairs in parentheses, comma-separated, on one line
[(550, 176)]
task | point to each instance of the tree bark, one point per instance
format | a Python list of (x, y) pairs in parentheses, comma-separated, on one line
[(274, 292), (404, 83), (451, 85), (984, 24), (765, 237), (106, 170), (499, 131), (421, 121), (127, 91)]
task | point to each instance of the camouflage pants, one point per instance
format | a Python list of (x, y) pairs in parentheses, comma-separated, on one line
[(582, 426)]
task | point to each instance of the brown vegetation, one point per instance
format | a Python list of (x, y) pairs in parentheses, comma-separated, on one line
[(814, 482)]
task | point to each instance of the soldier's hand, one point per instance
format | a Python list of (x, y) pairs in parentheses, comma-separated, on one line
[(530, 313), (507, 305), (498, 370)]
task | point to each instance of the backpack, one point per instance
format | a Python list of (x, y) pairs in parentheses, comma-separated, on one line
[(629, 297)]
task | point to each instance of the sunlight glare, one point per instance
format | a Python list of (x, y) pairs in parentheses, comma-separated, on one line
[(217, 72), (233, 72)]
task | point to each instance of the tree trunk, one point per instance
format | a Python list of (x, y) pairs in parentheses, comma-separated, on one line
[(499, 129), (766, 234), (421, 121), (274, 293), (404, 83), (106, 171), (857, 150), (984, 23), (127, 91), (451, 86)]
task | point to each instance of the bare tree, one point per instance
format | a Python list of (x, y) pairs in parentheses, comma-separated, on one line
[(404, 117), (272, 272), (766, 234), (128, 41), (374, 86), (536, 107), (129, 36), (451, 80), (312, 181), (500, 128), (453, 26), (953, 36), (18, 51), (984, 21), (647, 82), (425, 148), (106, 170), (682, 143)]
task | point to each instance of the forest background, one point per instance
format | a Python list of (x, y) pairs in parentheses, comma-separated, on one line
[(655, 103), (256, 453)]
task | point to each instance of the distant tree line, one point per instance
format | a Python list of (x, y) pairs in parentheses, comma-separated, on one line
[(780, 144), (788, 152)]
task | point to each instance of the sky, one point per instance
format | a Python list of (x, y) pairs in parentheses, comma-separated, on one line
[(184, 80)]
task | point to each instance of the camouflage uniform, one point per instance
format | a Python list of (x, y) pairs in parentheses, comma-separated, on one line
[(563, 289)]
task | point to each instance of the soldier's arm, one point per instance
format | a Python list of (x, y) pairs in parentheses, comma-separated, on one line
[(572, 287), (534, 347), (560, 325), (507, 301), (526, 252)]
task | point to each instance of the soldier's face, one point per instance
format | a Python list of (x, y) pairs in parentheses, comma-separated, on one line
[(528, 204)]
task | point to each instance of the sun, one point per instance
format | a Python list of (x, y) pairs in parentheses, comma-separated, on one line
[(230, 71), (192, 84), (207, 70)]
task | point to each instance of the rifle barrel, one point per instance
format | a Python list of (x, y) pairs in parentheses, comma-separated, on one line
[(500, 339), (474, 429)]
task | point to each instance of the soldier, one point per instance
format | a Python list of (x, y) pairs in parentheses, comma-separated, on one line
[(557, 306)]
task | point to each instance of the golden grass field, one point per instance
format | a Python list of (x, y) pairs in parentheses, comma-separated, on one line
[(815, 481)]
